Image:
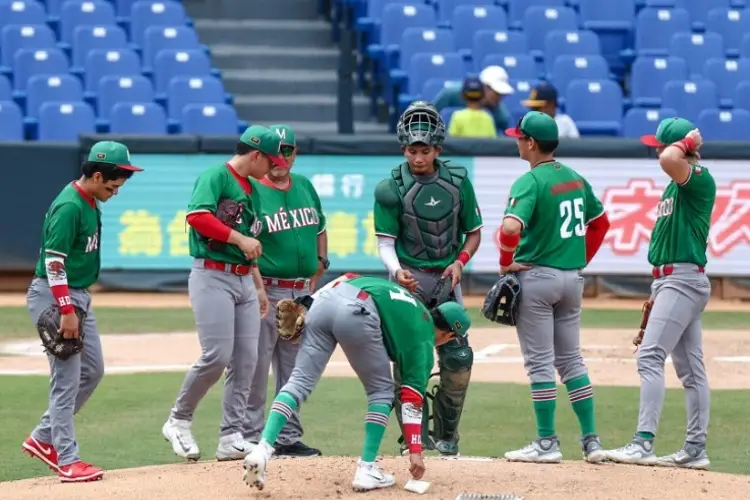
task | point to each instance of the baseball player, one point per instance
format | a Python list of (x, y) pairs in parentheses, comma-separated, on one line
[(226, 294), (375, 321), (428, 227), (68, 265), (295, 255), (679, 294), (552, 228)]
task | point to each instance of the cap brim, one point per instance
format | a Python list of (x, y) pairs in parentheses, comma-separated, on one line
[(533, 103), (650, 141), (279, 161), (132, 168), (501, 87), (513, 132)]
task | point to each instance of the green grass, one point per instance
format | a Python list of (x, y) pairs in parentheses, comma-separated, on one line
[(121, 425), (15, 322)]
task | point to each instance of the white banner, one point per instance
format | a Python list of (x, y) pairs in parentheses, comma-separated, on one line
[(630, 190)]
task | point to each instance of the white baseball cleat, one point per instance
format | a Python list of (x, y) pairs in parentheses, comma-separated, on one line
[(233, 447), (255, 465), (370, 477), (687, 458), (638, 452), (542, 451), (593, 452), (178, 433)]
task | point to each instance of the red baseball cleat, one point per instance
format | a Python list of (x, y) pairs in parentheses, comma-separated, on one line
[(43, 451), (79, 472)]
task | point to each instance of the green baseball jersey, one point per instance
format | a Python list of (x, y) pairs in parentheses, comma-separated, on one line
[(554, 203), (71, 230), (408, 330), (213, 185), (683, 220), (292, 220)]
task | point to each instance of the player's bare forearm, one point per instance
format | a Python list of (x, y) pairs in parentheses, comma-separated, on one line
[(323, 244), (512, 226), (673, 162), (257, 280), (471, 244)]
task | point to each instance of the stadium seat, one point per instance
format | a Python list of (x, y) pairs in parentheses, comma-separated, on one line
[(157, 38), (724, 125), (449, 66), (689, 98), (11, 121), (595, 106), (732, 24), (145, 13), (655, 27), (171, 63), (744, 46), (741, 96), (517, 8), (518, 66), (209, 119), (101, 62), (468, 19), (53, 9), (574, 43), (699, 9), (432, 88), (113, 89), (137, 118), (696, 48), (568, 68), (65, 121), (21, 12), (415, 40), (726, 74), (370, 16), (88, 38), (445, 8), (513, 101), (15, 37), (6, 91), (538, 21), (617, 15), (123, 7), (50, 88), (84, 13), (396, 19), (183, 90), (639, 122), (488, 42), (650, 74), (30, 62)]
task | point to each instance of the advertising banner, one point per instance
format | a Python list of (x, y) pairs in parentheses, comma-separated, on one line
[(630, 190)]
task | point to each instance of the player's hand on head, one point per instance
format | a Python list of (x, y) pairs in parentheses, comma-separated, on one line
[(695, 135), (406, 280), (69, 326), (416, 465), (514, 268)]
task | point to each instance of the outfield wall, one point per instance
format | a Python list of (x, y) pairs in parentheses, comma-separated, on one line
[(144, 243)]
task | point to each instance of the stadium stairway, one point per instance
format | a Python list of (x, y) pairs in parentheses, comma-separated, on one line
[(278, 60)]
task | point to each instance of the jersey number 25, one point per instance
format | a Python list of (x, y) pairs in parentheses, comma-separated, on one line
[(571, 212)]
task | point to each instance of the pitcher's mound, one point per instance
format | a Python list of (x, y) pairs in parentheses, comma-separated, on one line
[(330, 477)]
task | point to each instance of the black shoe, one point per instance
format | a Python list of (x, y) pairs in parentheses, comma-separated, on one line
[(298, 449)]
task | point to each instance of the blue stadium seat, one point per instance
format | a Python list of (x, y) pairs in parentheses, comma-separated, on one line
[(595, 106), (650, 74), (639, 122), (416, 40), (517, 8), (724, 125), (51, 88), (518, 66), (65, 121), (689, 98), (699, 9), (21, 12), (15, 37), (538, 21), (157, 38), (30, 62), (449, 66), (113, 89), (370, 17), (6, 91), (726, 74), (209, 119), (101, 62), (183, 90), (87, 38), (612, 15), (488, 42), (696, 49), (655, 27), (741, 97), (53, 8), (137, 118), (744, 46), (84, 13), (433, 87), (468, 19), (11, 121), (170, 63), (397, 18), (513, 101), (123, 7), (732, 24), (445, 8), (568, 68), (146, 13), (574, 43)]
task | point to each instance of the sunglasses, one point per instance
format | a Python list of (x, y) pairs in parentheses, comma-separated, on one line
[(287, 150)]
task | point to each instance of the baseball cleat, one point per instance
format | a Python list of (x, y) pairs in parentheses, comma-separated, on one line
[(298, 449), (542, 451), (179, 435), (447, 448), (593, 452), (255, 465), (79, 472), (689, 457), (233, 447), (43, 451), (638, 452), (370, 477)]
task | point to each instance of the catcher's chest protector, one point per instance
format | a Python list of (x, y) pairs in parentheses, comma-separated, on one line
[(430, 211)]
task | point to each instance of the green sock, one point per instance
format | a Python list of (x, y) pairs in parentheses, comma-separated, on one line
[(544, 395), (281, 410), (581, 396), (376, 421), (646, 435)]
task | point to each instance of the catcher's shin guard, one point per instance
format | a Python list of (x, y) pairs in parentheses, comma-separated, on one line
[(427, 443), (455, 360)]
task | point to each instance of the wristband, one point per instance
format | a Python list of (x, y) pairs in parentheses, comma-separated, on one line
[(463, 257), (506, 258), (686, 145)]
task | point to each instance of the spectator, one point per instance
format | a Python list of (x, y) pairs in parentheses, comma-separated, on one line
[(496, 86), (473, 121), (543, 98)]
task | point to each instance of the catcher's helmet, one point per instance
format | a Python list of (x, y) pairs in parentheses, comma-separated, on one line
[(501, 303), (421, 123)]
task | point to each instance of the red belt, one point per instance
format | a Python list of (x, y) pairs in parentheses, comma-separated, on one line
[(666, 270), (362, 295), (298, 284), (237, 269)]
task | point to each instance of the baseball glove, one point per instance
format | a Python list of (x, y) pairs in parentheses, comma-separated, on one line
[(441, 293), (290, 317), (646, 312), (502, 301), (53, 341), (229, 213)]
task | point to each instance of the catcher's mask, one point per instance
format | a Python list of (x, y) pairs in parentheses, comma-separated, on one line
[(501, 303), (421, 123)]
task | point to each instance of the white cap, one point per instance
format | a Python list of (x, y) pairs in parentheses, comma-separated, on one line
[(496, 78)]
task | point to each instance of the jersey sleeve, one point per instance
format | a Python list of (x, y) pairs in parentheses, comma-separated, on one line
[(700, 183), (522, 199), (594, 207), (61, 229), (470, 216), (207, 191), (386, 220), (318, 206)]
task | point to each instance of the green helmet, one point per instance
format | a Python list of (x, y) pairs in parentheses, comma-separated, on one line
[(421, 123)]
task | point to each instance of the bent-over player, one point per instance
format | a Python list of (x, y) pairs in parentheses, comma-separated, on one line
[(226, 293), (295, 255), (69, 263), (552, 228), (679, 294), (428, 226), (376, 322)]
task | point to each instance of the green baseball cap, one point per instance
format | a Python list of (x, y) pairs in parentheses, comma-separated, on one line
[(113, 153), (264, 140), (670, 130), (456, 317), (285, 133), (537, 125)]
